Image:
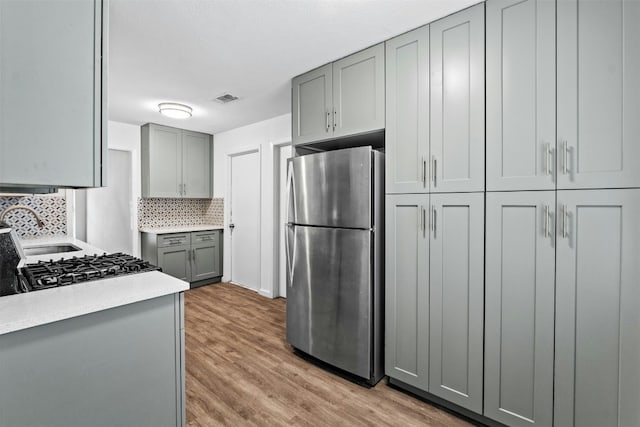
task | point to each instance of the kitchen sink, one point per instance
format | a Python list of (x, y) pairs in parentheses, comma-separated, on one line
[(50, 249)]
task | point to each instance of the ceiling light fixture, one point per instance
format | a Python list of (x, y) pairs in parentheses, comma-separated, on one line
[(175, 110)]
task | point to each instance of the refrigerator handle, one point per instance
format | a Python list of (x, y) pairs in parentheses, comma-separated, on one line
[(291, 194), (287, 250)]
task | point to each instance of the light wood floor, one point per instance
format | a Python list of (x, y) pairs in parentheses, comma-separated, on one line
[(241, 371)]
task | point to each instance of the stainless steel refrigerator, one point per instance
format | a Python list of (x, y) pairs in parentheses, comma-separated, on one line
[(335, 257)]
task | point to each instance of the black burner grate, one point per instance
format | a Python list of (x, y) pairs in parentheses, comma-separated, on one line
[(49, 274)]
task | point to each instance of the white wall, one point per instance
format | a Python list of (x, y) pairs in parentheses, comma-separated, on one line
[(126, 137), (263, 135)]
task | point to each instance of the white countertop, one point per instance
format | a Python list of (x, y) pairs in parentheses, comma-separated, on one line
[(31, 309), (180, 229)]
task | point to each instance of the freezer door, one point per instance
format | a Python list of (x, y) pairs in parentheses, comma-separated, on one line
[(329, 295), (332, 189)]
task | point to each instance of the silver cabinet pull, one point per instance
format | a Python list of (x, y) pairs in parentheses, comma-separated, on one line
[(424, 172), (565, 157), (335, 119), (423, 224), (548, 158), (546, 223), (433, 171), (327, 120), (433, 225), (184, 189), (565, 221)]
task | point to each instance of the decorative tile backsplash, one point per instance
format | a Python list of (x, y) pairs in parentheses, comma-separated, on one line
[(160, 212), (52, 210)]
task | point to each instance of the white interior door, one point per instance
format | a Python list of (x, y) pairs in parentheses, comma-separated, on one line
[(109, 213), (285, 153), (244, 219)]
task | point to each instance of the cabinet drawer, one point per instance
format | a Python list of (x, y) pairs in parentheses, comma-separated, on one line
[(176, 239), (204, 237)]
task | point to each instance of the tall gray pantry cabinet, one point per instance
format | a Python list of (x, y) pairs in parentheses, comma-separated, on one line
[(53, 94), (562, 288), (435, 209)]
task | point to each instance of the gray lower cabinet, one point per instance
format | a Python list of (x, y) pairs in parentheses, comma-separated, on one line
[(340, 99), (519, 307), (456, 306), (521, 94), (191, 257), (53, 87), (598, 94), (118, 367), (457, 101), (176, 163), (407, 109), (597, 346), (407, 289)]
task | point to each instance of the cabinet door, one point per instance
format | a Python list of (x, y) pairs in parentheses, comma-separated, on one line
[(161, 161), (407, 122), (519, 307), (175, 262), (457, 101), (521, 104), (51, 93), (598, 94), (196, 165), (205, 261), (312, 106), (407, 290), (358, 92), (457, 298), (597, 380)]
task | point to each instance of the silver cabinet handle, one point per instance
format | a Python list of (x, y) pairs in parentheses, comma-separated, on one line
[(184, 189), (546, 221), (422, 224), (193, 254), (565, 221), (335, 119), (434, 163), (565, 157), (433, 224), (548, 158), (327, 120), (424, 172)]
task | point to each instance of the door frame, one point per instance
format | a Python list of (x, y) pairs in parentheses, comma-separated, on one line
[(274, 149), (248, 149)]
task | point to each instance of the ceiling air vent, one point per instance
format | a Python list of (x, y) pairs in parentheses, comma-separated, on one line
[(226, 98)]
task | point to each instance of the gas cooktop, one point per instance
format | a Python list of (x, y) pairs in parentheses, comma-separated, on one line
[(50, 274)]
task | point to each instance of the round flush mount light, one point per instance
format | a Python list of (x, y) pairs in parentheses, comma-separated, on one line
[(175, 110)]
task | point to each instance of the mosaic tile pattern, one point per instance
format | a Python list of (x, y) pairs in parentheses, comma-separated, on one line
[(160, 212), (215, 212), (52, 209)]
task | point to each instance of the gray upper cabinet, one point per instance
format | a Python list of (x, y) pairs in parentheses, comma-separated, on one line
[(53, 86), (312, 110), (521, 50), (196, 165), (457, 298), (598, 94), (175, 163), (597, 380), (407, 289), (358, 92), (340, 99), (407, 109), (457, 101), (519, 307)]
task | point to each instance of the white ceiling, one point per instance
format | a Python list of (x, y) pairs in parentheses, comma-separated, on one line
[(192, 51)]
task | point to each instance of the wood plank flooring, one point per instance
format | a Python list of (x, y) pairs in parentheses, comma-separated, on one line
[(241, 371)]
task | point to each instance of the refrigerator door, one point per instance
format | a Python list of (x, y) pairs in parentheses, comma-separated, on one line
[(332, 189), (329, 295)]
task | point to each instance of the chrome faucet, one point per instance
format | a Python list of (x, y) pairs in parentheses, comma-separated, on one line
[(26, 208)]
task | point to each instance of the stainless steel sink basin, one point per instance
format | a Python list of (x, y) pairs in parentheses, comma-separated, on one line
[(50, 249)]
